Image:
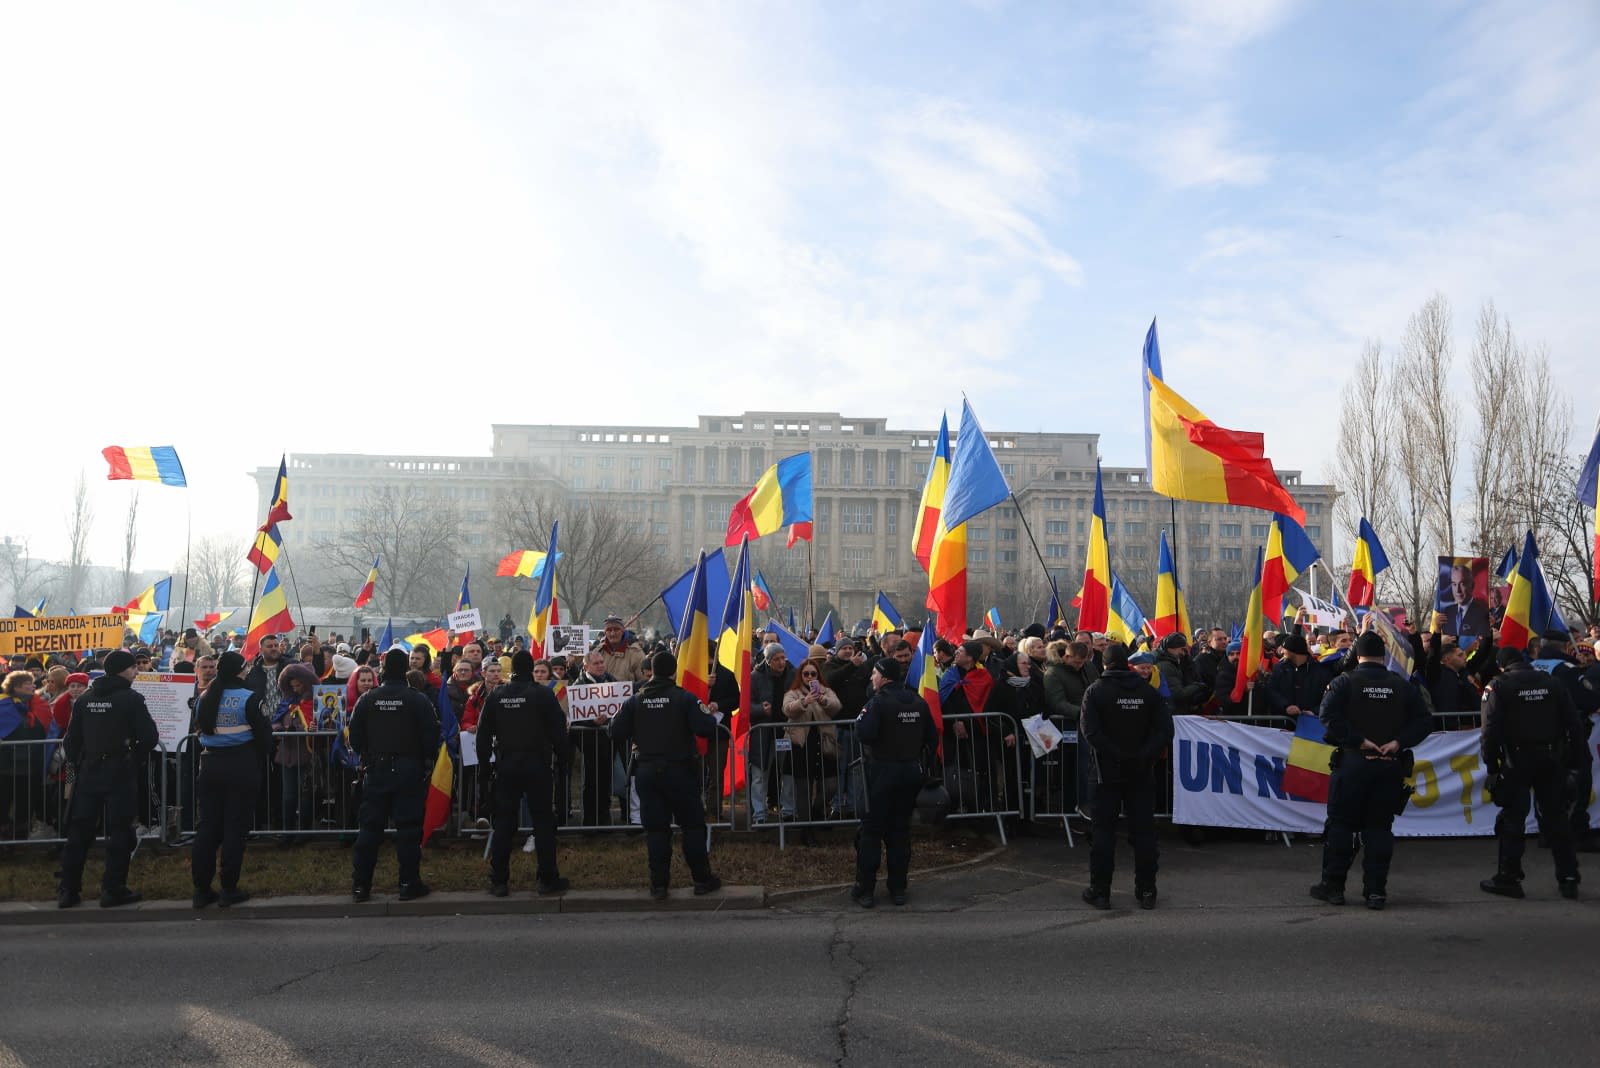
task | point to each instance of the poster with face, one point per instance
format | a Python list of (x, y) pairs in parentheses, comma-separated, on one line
[(1461, 601)]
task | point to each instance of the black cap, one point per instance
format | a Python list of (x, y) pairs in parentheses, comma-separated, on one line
[(1557, 637), (888, 667), (396, 662), (1033, 630), (1296, 643), (1175, 640), (1370, 643)]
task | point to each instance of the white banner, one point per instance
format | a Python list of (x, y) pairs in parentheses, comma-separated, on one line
[(1231, 775), (586, 700), (167, 698), (465, 620), (1321, 613)]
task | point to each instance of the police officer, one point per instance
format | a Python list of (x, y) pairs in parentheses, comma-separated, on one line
[(107, 740), (522, 724), (896, 728), (1373, 716), (396, 731), (234, 740), (662, 719), (1126, 723), (1533, 739)]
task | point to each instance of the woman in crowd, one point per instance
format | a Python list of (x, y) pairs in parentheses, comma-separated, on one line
[(234, 736), (296, 715), (24, 717), (814, 754)]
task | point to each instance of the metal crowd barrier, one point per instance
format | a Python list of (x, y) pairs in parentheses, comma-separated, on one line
[(794, 784), (1054, 780), (35, 795), (983, 774)]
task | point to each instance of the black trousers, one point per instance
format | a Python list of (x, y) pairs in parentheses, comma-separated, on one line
[(226, 794), (669, 792), (1537, 775), (892, 788), (517, 777), (594, 746), (1110, 799), (1578, 803), (1362, 795), (395, 789), (112, 788)]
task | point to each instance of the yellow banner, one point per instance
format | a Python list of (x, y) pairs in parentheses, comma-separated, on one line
[(60, 634)]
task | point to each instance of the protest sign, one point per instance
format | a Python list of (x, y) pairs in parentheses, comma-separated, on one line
[(1461, 598), (465, 620), (167, 698), (586, 700), (60, 634), (329, 703), (566, 640), (1231, 775)]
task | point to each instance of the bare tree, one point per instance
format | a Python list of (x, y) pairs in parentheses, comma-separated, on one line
[(1408, 551), (130, 544), (27, 578), (1432, 414), (218, 573), (1367, 445), (419, 539), (80, 522), (1535, 473), (1497, 387), (608, 559)]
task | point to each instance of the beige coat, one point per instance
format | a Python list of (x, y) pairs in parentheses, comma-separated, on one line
[(800, 712)]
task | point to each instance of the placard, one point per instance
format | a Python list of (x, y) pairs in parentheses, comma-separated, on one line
[(329, 703), (469, 749), (167, 698), (564, 640), (586, 700), (60, 634), (465, 620)]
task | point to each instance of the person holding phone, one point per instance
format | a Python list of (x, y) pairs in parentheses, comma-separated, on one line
[(814, 743)]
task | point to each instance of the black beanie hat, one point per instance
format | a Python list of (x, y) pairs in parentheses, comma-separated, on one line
[(1116, 656), (888, 667), (1370, 643), (396, 662), (230, 665), (118, 661), (522, 662)]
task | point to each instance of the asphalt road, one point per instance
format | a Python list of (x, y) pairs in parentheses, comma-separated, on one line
[(1001, 965)]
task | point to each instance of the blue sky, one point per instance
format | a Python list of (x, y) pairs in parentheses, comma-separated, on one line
[(249, 229)]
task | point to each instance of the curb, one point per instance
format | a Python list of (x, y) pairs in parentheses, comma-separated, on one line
[(459, 903), (784, 897)]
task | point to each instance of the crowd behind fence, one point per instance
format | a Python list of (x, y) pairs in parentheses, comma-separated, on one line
[(801, 777)]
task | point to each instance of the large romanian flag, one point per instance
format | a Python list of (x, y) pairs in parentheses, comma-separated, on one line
[(1530, 610), (1250, 651), (1289, 554), (544, 599), (1369, 561), (524, 563), (884, 616), (694, 638), (278, 507), (922, 536), (145, 463), (923, 677), (1588, 491), (441, 784), (146, 611), (1306, 772), (271, 615), (365, 596), (735, 650), (1094, 609), (1193, 459), (1172, 614), (780, 498), (1125, 621)]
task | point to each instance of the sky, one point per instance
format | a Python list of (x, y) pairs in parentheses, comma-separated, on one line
[(245, 229)]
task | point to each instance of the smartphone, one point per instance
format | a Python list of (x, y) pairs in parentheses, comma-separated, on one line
[(815, 686)]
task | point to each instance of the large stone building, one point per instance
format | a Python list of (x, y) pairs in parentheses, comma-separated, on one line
[(677, 485)]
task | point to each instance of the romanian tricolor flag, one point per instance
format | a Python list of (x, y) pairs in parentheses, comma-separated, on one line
[(1125, 621), (781, 498), (1057, 617), (271, 616), (146, 463), (1172, 613), (735, 651), (976, 481), (1530, 610), (436, 809), (544, 600), (146, 611), (1289, 553), (364, 598), (1369, 561), (824, 632), (524, 563), (947, 556), (1589, 493), (922, 536), (1508, 565), (1250, 651), (884, 616), (464, 602), (1193, 459), (923, 678), (278, 507), (1095, 611), (211, 619), (761, 594), (1305, 774), (436, 640), (694, 634), (264, 550), (991, 619)]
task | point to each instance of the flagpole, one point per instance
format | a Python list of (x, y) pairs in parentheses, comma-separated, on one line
[(643, 610), (811, 582), (283, 551), (188, 557), (1037, 554)]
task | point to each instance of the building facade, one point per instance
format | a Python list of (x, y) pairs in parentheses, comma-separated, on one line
[(678, 484)]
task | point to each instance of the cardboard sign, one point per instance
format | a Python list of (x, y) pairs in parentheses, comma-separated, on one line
[(328, 699), (586, 700), (465, 620), (167, 698), (60, 634), (566, 640)]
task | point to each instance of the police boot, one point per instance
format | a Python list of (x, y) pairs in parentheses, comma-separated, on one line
[(1332, 893), (708, 884), (1568, 887), (547, 887), (111, 899), (1146, 896), (232, 896), (360, 893), (1504, 883), (415, 890), (1097, 896), (203, 896), (862, 895), (67, 897)]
